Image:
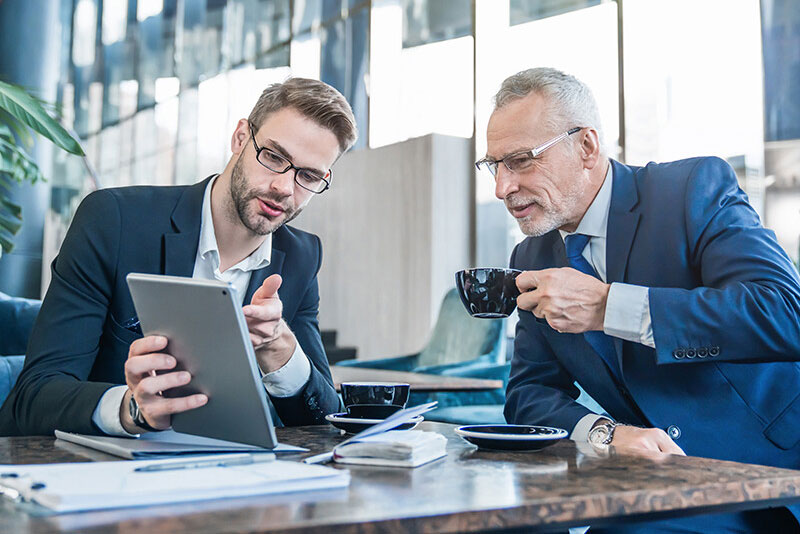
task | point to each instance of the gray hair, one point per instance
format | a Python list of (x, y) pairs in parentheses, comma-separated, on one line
[(314, 100), (572, 102)]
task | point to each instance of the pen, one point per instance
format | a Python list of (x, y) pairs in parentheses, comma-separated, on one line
[(195, 464)]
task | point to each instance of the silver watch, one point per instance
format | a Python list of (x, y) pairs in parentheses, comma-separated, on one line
[(602, 434)]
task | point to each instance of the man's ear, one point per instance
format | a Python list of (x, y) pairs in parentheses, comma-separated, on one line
[(240, 137), (590, 148)]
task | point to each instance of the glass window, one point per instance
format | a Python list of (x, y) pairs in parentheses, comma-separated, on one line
[(780, 23), (428, 21), (528, 10), (420, 90), (156, 49), (307, 13)]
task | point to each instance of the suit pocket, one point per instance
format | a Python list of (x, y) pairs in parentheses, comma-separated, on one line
[(121, 333), (784, 430)]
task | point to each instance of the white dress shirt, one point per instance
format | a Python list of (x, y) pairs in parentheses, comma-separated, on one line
[(628, 306), (284, 382)]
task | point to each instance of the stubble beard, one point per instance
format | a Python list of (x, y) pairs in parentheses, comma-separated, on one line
[(547, 216), (248, 214)]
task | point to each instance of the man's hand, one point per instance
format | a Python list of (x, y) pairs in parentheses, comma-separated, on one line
[(569, 300), (272, 339), (145, 357), (632, 438)]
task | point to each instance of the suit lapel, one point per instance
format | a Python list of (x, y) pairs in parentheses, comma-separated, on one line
[(180, 246), (257, 278), (623, 220)]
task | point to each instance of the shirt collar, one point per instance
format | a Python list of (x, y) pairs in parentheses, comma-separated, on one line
[(207, 245), (595, 220)]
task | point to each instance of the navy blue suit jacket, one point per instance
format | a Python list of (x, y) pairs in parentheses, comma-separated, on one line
[(725, 309), (79, 344)]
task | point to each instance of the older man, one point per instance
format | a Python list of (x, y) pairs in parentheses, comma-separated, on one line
[(655, 288), (230, 227)]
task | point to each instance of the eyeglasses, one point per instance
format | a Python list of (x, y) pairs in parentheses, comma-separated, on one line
[(519, 161), (306, 178)]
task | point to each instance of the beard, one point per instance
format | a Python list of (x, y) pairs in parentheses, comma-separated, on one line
[(242, 198), (548, 214)]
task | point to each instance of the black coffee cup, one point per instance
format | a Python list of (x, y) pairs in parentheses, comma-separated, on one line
[(374, 400), (487, 292)]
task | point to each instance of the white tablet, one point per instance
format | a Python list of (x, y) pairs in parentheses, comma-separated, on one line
[(208, 336)]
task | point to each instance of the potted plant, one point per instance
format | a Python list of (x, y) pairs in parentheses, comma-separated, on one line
[(20, 115)]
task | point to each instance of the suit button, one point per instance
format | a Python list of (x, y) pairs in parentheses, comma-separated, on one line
[(674, 432), (713, 351), (702, 352), (678, 354), (691, 353)]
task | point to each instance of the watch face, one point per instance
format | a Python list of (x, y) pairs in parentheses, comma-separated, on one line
[(598, 435)]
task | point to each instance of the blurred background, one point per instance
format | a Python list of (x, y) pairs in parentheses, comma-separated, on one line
[(153, 90)]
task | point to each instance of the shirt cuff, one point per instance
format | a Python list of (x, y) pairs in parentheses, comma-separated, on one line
[(289, 379), (581, 431), (628, 314), (106, 414)]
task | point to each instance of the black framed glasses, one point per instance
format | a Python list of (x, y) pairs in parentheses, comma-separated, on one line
[(308, 179), (519, 161)]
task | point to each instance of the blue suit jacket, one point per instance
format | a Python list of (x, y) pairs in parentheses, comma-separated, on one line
[(725, 308), (79, 343)]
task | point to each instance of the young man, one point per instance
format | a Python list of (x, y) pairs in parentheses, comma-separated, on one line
[(231, 227), (654, 288)]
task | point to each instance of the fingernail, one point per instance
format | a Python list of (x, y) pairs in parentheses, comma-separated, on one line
[(185, 377), (202, 399), (170, 361)]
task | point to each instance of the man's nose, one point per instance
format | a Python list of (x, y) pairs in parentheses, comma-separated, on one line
[(505, 182), (283, 184)]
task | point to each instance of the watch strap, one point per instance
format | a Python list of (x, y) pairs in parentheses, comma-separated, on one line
[(137, 417)]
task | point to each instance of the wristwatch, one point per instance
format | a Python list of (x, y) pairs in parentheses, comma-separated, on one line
[(602, 434), (138, 418)]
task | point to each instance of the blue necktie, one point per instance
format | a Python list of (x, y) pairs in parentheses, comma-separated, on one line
[(600, 342)]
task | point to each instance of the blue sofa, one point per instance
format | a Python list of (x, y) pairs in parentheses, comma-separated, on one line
[(17, 316)]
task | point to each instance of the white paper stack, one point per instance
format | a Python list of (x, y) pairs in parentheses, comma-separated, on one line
[(95, 485), (401, 448)]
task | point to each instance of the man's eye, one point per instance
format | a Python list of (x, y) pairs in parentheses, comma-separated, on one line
[(275, 158), (518, 162), (309, 178)]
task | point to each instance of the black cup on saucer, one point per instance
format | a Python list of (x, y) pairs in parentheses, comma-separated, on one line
[(488, 292), (374, 400)]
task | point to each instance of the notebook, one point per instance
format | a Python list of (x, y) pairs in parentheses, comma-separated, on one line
[(165, 444), (400, 448), (72, 487)]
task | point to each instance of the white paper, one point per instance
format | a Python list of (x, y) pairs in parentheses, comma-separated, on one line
[(70, 487)]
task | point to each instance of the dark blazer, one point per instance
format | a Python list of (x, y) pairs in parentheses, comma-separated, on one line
[(724, 379), (79, 343)]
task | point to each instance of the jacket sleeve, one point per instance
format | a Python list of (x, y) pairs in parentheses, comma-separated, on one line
[(540, 391), (318, 397), (52, 391), (747, 308)]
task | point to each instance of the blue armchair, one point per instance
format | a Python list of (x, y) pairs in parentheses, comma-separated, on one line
[(456, 338), (17, 316)]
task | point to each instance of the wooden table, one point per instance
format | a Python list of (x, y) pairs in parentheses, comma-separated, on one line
[(419, 381), (469, 491)]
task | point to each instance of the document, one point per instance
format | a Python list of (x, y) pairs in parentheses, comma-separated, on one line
[(72, 487), (164, 444)]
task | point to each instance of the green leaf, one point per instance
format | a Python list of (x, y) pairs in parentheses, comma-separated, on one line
[(8, 120), (28, 110)]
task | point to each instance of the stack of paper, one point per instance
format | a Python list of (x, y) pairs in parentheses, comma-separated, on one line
[(94, 485), (402, 448)]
